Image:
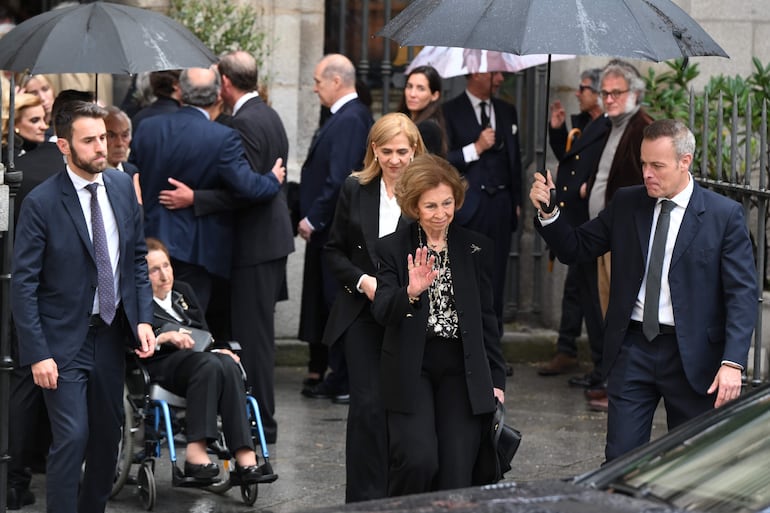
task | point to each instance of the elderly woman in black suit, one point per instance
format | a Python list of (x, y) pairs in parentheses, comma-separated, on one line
[(210, 381), (366, 210), (442, 364)]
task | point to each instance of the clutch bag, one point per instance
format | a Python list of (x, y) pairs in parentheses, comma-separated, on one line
[(202, 338)]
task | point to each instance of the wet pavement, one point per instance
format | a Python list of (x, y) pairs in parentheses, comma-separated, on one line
[(561, 438)]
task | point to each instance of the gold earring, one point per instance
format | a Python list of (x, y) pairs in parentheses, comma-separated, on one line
[(375, 158), (16, 130), (411, 159)]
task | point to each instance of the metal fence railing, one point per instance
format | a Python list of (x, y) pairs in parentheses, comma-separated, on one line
[(733, 160)]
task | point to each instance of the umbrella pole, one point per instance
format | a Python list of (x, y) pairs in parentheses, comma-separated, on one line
[(552, 203)]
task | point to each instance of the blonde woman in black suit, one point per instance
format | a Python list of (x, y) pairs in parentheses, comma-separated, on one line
[(366, 210), (442, 365)]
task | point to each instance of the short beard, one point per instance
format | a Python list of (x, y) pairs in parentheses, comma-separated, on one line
[(88, 167)]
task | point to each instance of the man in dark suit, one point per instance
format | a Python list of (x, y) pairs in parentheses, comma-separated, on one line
[(337, 149), (29, 433), (682, 311), (484, 146), (186, 147), (73, 326), (580, 299), (263, 233)]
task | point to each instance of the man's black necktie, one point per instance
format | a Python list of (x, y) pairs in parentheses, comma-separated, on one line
[(484, 115), (105, 280), (650, 324)]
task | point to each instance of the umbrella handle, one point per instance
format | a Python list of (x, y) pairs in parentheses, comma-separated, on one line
[(548, 208)]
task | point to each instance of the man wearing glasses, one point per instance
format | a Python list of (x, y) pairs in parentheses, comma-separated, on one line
[(578, 156), (621, 93)]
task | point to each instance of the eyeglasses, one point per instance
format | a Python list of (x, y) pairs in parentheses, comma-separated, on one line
[(582, 88), (614, 94)]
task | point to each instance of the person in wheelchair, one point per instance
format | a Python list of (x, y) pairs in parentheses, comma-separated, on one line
[(211, 381)]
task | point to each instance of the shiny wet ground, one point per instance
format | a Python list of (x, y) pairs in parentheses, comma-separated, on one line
[(561, 438)]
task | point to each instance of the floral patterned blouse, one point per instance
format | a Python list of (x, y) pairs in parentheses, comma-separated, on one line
[(442, 316)]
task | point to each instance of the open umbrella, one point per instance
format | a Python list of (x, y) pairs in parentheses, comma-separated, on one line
[(654, 30), (101, 37), (453, 62)]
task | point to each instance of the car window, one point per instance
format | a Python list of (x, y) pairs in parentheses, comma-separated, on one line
[(724, 468)]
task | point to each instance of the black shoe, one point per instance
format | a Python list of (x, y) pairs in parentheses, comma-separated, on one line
[(341, 399), (245, 475), (320, 391), (310, 382), (19, 497), (202, 471)]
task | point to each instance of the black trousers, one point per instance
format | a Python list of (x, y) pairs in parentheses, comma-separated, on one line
[(255, 291), (580, 301), (435, 447), (366, 447), (29, 432), (211, 383), (644, 372)]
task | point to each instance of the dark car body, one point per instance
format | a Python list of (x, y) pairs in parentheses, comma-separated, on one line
[(718, 462)]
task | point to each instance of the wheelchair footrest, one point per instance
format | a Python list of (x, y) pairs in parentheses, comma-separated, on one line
[(267, 473)]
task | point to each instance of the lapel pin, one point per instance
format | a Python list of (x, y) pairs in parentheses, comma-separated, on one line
[(475, 248)]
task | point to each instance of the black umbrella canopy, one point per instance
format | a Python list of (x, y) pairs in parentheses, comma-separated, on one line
[(653, 30), (101, 37)]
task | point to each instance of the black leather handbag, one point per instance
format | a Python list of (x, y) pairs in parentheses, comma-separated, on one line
[(498, 447)]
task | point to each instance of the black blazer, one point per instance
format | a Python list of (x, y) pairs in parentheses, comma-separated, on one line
[(350, 251), (337, 149), (263, 230), (185, 304), (470, 257), (463, 128), (577, 167)]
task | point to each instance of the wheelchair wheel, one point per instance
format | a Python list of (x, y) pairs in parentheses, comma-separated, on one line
[(222, 484), (126, 447), (145, 485), (249, 494)]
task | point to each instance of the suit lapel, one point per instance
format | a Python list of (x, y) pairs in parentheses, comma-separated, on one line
[(691, 223), (369, 208), (643, 219), (73, 208)]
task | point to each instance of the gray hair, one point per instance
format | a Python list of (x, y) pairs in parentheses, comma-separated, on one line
[(592, 74), (201, 93), (621, 68), (116, 112), (681, 136)]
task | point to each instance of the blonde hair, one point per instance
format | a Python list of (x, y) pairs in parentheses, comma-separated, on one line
[(22, 101), (425, 173), (381, 133)]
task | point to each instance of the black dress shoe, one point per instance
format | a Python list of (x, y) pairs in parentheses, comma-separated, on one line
[(18, 497), (321, 391), (245, 475), (201, 471), (310, 382)]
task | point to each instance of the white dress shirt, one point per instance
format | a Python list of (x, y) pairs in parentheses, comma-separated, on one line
[(110, 225), (469, 150)]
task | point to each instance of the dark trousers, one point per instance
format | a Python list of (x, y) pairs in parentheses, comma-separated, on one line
[(580, 301), (435, 447), (211, 383), (366, 447), (314, 309), (86, 413), (643, 373), (255, 291)]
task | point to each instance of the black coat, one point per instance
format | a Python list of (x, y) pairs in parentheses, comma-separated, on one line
[(470, 256)]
